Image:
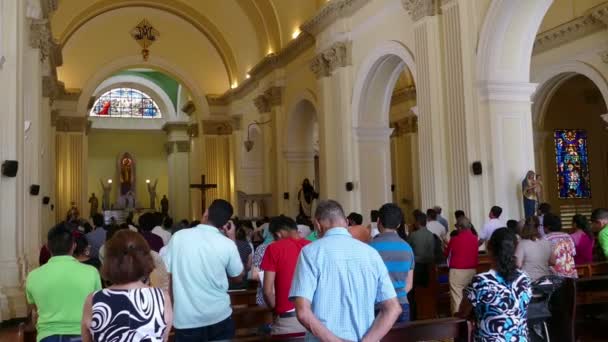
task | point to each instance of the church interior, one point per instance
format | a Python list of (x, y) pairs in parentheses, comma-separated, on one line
[(121, 106)]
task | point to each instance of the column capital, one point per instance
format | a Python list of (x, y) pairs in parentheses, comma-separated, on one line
[(506, 91), (407, 125), (175, 127), (70, 123), (177, 146), (377, 134), (419, 9), (189, 108), (217, 127), (605, 118), (336, 56), (271, 97)]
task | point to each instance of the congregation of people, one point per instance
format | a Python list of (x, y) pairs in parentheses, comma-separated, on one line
[(327, 277)]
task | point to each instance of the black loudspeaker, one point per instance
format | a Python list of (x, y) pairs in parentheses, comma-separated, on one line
[(286, 195), (34, 189), (392, 187), (477, 169), (9, 168), (46, 200), (349, 186)]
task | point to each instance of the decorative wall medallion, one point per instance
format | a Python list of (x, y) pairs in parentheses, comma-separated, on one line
[(145, 35)]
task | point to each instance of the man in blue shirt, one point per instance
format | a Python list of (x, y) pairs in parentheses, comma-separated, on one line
[(396, 253), (339, 280)]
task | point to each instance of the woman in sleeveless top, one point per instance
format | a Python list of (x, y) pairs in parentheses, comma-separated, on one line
[(129, 310)]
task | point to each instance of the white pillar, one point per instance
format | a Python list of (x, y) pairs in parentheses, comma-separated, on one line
[(178, 148)]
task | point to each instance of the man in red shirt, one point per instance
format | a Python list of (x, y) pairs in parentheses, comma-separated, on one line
[(462, 260), (279, 265)]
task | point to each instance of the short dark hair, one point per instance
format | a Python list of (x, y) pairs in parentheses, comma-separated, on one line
[(168, 223), (147, 222), (599, 214), (158, 219), (356, 218), (390, 216), (127, 258), (374, 215), (496, 211), (60, 240), (431, 214), (81, 244), (463, 223), (512, 226), (98, 220), (459, 213), (329, 210), (552, 222), (420, 218), (529, 231), (282, 222), (219, 212), (544, 208)]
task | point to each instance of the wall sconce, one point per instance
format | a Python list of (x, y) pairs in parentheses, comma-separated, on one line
[(249, 143), (109, 181)]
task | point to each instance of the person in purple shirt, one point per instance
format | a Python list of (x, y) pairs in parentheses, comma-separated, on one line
[(583, 240), (146, 224)]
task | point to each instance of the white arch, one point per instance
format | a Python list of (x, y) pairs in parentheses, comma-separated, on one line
[(305, 98), (507, 38), (135, 61), (549, 79)]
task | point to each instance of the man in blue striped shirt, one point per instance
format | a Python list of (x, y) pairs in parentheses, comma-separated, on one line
[(337, 282), (397, 254)]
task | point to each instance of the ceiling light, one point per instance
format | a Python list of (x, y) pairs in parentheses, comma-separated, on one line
[(295, 34), (247, 76), (234, 85)]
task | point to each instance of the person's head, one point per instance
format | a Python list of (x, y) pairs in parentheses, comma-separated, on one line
[(168, 223), (580, 222), (529, 231), (544, 208), (282, 227), (82, 245), (218, 213), (599, 218), (374, 215), (147, 222), (512, 226), (241, 233), (530, 175), (501, 248), (98, 220), (158, 219), (329, 214), (355, 219), (87, 227), (127, 258), (60, 240), (437, 209), (463, 223), (193, 223), (420, 218), (390, 216), (495, 212), (431, 215), (552, 223), (458, 214)]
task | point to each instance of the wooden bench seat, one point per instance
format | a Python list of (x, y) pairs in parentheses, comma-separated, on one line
[(432, 329)]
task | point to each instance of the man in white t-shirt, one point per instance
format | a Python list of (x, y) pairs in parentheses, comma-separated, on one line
[(494, 223), (159, 230), (435, 226)]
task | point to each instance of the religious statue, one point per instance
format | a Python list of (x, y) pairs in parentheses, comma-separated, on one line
[(529, 187), (305, 196), (94, 205), (105, 199), (152, 193), (539, 189), (73, 213), (164, 205), (126, 174)]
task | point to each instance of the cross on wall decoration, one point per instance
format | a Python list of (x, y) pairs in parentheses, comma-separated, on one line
[(203, 187)]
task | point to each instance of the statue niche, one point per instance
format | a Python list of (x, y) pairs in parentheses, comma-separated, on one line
[(127, 177)]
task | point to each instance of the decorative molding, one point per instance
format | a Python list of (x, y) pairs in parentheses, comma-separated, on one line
[(193, 130), (299, 156), (91, 102), (506, 91), (403, 94), (374, 134), (177, 146), (604, 56), (175, 126), (605, 118), (54, 117), (48, 7), (70, 123), (189, 107), (215, 127), (592, 21), (271, 97), (41, 37), (330, 13), (407, 125), (336, 56), (419, 9), (267, 65)]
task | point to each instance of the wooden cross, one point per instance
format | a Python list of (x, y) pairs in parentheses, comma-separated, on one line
[(203, 187)]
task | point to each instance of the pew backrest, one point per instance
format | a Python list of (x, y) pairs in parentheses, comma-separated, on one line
[(432, 329)]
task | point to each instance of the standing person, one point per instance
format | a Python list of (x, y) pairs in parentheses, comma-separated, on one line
[(56, 292), (599, 220), (583, 238), (258, 256), (440, 218), (562, 246), (306, 195), (82, 251), (147, 222), (279, 265), (159, 230), (199, 261), (500, 297), (397, 255), (434, 226), (534, 254), (494, 223), (339, 280), (246, 255), (373, 226), (529, 187), (129, 310), (97, 237), (543, 209), (462, 260)]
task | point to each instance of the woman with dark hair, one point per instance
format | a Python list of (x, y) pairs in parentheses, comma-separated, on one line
[(500, 297), (129, 310), (534, 255), (584, 240), (82, 252)]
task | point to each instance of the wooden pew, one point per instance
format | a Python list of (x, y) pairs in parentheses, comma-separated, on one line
[(598, 268), (26, 333), (433, 329), (242, 297), (591, 305)]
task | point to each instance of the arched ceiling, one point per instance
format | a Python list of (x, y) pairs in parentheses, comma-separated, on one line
[(205, 38)]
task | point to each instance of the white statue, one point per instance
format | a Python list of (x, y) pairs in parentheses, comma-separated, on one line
[(152, 193), (105, 199)]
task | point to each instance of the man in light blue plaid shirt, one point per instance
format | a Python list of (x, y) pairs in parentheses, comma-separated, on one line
[(338, 281)]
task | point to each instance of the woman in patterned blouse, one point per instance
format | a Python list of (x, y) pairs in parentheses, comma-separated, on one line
[(499, 298)]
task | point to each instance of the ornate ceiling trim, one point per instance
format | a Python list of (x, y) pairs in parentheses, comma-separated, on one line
[(215, 127), (71, 123), (179, 9), (419, 9), (330, 13), (592, 21)]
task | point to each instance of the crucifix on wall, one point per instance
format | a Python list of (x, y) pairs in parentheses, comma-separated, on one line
[(203, 187)]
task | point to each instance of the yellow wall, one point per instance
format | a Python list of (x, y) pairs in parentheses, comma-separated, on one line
[(148, 151)]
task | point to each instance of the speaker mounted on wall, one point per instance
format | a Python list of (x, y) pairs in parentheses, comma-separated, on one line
[(9, 168), (349, 186), (34, 189), (46, 200), (477, 168), (286, 195)]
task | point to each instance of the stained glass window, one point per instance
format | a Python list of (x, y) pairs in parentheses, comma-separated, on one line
[(572, 163), (125, 103)]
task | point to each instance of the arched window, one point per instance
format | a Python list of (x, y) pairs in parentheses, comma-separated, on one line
[(125, 103)]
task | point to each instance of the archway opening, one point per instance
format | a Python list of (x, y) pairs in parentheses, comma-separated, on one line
[(572, 146)]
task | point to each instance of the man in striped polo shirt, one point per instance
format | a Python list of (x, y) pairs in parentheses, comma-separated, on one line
[(397, 254)]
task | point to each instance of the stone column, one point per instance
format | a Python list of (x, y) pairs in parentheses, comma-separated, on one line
[(178, 156), (197, 160)]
